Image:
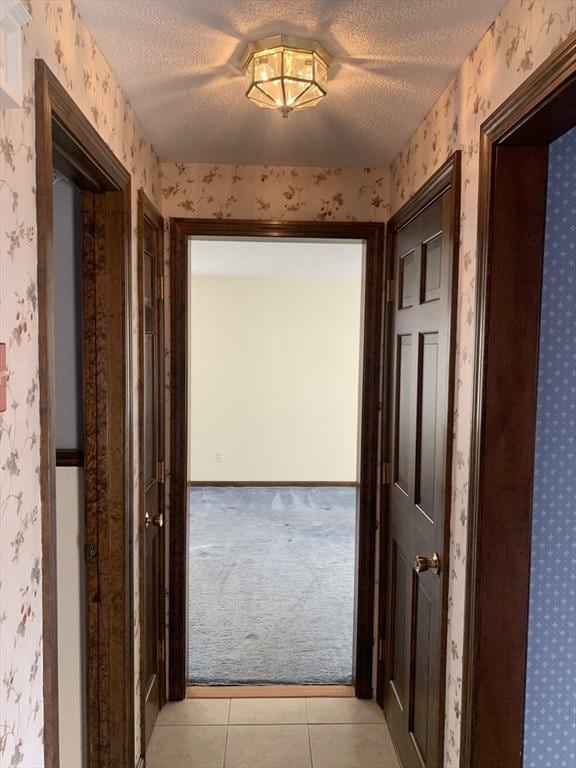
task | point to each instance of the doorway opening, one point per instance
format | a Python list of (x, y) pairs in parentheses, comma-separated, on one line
[(268, 498), (274, 368), (521, 454), (69, 474), (84, 308), (415, 280)]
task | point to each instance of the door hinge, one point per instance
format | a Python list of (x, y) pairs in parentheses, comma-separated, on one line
[(162, 651), (389, 290), (160, 288), (90, 554), (380, 648), (161, 472), (386, 473)]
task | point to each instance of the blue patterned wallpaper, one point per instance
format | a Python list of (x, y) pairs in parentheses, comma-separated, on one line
[(550, 711)]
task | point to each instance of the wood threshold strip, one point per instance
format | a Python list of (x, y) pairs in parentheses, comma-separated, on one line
[(268, 691), (272, 484)]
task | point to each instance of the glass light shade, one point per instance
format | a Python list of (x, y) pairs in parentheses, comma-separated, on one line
[(286, 73)]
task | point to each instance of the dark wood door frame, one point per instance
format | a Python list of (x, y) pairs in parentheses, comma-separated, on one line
[(65, 140), (511, 221), (147, 212), (446, 180), (373, 235)]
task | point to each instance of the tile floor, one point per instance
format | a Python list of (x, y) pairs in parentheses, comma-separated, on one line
[(271, 733)]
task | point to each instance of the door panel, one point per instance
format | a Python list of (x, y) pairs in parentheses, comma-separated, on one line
[(400, 656), (426, 431), (421, 676), (420, 371), (404, 398), (152, 463)]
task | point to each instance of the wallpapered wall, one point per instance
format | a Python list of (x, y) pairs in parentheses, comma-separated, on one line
[(522, 37), (275, 192), (57, 35), (550, 716)]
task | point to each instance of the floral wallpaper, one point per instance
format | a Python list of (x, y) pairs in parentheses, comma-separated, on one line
[(275, 192), (56, 34), (522, 37)]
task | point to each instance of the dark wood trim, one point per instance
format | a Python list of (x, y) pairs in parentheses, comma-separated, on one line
[(148, 212), (91, 334), (338, 230), (545, 95), (66, 140), (271, 484), (511, 220), (446, 180), (73, 457), (178, 536), (373, 235), (386, 389), (141, 492), (46, 376)]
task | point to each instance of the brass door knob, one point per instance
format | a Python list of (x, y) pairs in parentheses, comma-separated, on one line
[(422, 563), (157, 520)]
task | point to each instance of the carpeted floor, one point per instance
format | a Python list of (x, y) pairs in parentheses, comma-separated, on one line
[(271, 585)]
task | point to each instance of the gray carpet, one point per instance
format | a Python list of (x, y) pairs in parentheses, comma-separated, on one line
[(271, 585)]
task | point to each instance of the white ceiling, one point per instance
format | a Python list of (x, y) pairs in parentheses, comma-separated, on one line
[(178, 63), (264, 257)]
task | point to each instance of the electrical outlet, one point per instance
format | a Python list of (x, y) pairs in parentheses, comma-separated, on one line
[(219, 457)]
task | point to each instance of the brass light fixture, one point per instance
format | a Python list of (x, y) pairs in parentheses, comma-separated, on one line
[(286, 73)]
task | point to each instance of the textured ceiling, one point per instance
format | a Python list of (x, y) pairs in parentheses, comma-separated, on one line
[(178, 63)]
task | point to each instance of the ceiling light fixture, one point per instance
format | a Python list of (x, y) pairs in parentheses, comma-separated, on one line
[(286, 73)]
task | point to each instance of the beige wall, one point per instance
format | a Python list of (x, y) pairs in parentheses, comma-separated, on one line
[(71, 616), (274, 378)]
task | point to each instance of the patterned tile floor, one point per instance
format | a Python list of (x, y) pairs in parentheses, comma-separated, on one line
[(271, 733)]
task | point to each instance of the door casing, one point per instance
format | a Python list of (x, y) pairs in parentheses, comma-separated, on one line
[(514, 144), (373, 234), (66, 140)]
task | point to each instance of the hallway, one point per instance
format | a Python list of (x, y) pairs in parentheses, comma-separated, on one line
[(286, 383), (271, 733)]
